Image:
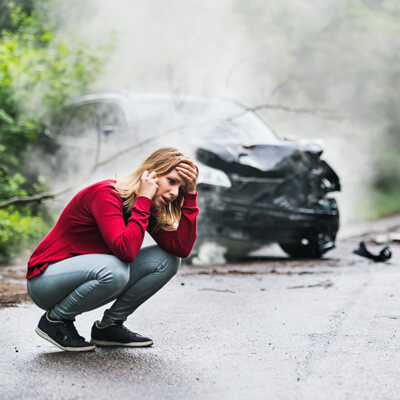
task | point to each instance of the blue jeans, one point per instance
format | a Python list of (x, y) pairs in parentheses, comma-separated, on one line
[(82, 283)]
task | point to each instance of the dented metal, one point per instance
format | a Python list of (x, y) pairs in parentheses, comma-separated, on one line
[(277, 194), (254, 188)]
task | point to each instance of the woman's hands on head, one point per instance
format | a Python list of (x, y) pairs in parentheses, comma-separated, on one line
[(148, 184), (189, 172)]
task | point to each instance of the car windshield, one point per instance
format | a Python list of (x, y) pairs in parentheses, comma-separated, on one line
[(216, 121)]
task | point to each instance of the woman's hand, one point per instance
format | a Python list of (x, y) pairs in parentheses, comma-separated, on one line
[(148, 184), (189, 172)]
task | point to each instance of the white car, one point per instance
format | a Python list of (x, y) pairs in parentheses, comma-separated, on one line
[(254, 188)]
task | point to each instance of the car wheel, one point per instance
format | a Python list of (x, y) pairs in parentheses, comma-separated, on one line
[(309, 247)]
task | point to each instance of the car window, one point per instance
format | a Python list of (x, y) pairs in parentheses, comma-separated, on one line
[(79, 141), (244, 128), (111, 118), (81, 121), (154, 119), (212, 121)]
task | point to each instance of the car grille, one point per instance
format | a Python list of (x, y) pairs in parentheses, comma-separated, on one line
[(298, 191), (252, 189)]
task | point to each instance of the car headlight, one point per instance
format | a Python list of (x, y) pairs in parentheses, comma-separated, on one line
[(212, 176)]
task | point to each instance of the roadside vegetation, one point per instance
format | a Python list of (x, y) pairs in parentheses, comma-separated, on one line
[(384, 194), (38, 72)]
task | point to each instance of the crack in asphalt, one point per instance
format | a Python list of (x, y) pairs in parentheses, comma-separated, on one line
[(321, 342), (218, 290), (325, 284)]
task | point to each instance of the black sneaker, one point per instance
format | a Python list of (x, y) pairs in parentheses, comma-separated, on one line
[(117, 335), (63, 334)]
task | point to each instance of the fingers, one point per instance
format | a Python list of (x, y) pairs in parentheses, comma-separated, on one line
[(147, 173), (148, 184), (185, 160), (186, 167), (153, 177), (187, 172), (187, 177), (150, 175)]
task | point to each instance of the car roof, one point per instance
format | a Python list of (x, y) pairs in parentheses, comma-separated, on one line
[(129, 96)]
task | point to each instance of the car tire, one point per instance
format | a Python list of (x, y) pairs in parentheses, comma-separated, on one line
[(305, 248)]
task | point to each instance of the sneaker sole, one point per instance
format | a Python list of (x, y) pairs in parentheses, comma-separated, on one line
[(49, 339), (131, 344)]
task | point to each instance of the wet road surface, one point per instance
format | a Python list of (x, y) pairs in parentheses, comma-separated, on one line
[(268, 328)]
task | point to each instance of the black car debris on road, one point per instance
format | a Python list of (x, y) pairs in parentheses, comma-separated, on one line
[(254, 188)]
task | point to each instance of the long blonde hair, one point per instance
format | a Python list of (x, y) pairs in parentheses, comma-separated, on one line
[(162, 161)]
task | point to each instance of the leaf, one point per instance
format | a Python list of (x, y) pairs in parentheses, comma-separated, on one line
[(46, 37), (6, 117)]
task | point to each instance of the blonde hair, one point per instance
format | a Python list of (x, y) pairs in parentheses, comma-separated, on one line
[(162, 161)]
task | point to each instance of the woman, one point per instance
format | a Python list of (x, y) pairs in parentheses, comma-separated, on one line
[(92, 255)]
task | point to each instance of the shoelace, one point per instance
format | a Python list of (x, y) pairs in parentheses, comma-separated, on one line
[(126, 330), (71, 328)]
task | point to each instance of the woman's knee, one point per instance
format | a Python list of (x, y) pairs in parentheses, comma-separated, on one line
[(153, 259), (169, 264), (113, 273)]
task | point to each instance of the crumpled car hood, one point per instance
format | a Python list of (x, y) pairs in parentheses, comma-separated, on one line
[(277, 160)]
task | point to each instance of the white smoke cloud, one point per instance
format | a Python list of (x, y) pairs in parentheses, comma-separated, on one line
[(301, 54)]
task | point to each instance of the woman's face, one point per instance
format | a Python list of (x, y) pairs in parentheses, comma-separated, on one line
[(168, 188)]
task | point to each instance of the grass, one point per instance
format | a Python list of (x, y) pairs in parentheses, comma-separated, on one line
[(379, 204)]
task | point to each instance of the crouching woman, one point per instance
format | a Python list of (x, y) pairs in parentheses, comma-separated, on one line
[(93, 254)]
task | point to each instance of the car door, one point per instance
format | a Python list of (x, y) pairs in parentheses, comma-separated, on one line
[(119, 147), (79, 142)]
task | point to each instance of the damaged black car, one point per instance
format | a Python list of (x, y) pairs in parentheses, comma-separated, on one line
[(254, 188)]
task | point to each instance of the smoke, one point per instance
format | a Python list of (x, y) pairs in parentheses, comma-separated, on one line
[(210, 254), (330, 56)]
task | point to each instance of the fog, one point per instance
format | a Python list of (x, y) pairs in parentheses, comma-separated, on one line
[(327, 59)]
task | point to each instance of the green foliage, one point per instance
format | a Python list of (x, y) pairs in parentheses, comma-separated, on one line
[(387, 178), (380, 203), (38, 71), (18, 230)]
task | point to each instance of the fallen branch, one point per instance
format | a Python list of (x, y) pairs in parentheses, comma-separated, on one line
[(33, 198), (321, 113)]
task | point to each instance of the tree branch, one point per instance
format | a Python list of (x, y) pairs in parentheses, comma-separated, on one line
[(33, 198), (321, 113)]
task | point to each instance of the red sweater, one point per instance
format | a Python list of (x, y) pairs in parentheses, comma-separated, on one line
[(92, 223)]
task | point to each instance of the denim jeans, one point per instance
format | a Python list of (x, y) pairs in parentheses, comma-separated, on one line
[(72, 286)]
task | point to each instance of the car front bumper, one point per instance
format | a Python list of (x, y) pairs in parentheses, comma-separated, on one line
[(232, 219)]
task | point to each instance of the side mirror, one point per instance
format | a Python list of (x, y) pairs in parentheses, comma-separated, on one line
[(289, 138), (107, 129)]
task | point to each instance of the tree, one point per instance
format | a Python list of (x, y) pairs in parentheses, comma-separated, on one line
[(38, 71)]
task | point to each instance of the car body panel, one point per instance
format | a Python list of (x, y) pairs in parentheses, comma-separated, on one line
[(262, 189)]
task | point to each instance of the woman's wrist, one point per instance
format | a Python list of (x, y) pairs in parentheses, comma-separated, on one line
[(192, 189), (145, 195), (190, 196)]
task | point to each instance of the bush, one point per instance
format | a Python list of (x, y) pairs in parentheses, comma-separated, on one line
[(387, 176), (38, 72)]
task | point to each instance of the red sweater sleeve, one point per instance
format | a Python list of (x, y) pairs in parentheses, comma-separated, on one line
[(179, 242), (124, 241)]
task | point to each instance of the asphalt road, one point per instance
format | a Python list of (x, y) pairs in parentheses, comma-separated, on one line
[(266, 329)]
